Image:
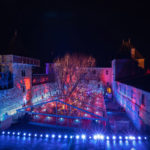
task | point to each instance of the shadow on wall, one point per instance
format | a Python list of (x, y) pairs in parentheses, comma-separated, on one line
[(6, 78)]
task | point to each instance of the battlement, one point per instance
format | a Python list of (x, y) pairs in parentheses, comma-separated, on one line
[(19, 59)]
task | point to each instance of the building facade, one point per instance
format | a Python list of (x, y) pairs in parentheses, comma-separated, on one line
[(20, 87)]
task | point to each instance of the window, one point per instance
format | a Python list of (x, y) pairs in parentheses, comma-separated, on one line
[(143, 100), (94, 71), (23, 73), (23, 89), (106, 72)]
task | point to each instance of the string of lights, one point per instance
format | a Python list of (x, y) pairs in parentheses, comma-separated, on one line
[(75, 136)]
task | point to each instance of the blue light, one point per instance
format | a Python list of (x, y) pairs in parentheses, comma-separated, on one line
[(65, 136), (131, 137), (98, 136), (53, 135), (41, 135), (102, 137), (18, 133), (8, 132), (114, 137), (61, 119), (24, 134), (77, 121), (3, 132), (71, 137), (83, 136), (77, 136), (46, 135), (95, 137)]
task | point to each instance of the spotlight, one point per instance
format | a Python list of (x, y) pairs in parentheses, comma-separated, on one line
[(13, 133), (102, 137), (145, 138), (139, 138), (59, 136), (46, 135), (114, 137), (24, 134), (131, 137), (98, 136), (41, 135), (126, 137), (29, 134), (95, 137), (107, 137), (71, 137), (8, 132), (3, 132), (120, 137), (77, 137), (65, 136), (53, 135), (18, 133), (83, 136), (35, 135)]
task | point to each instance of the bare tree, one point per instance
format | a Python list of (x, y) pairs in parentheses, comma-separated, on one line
[(70, 70)]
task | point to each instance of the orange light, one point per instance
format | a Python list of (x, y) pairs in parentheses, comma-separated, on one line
[(27, 83), (109, 90)]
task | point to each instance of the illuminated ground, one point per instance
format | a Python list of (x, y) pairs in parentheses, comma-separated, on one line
[(85, 108)]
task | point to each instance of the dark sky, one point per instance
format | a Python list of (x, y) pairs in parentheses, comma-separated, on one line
[(51, 28)]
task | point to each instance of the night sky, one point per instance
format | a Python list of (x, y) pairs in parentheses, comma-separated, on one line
[(50, 29)]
